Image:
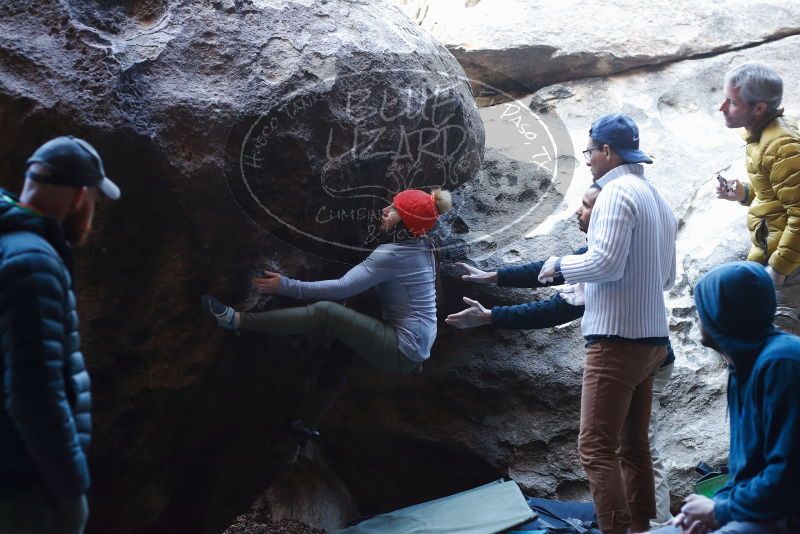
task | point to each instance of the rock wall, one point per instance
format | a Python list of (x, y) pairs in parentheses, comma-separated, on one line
[(519, 46), (244, 135), (265, 134)]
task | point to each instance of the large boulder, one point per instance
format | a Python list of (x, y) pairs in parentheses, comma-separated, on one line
[(521, 46), (244, 135)]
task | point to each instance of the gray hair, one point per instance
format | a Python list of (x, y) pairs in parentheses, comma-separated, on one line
[(757, 83)]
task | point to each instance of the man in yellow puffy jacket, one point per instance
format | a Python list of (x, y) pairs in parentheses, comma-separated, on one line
[(753, 94)]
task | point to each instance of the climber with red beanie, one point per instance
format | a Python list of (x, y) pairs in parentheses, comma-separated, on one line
[(403, 275)]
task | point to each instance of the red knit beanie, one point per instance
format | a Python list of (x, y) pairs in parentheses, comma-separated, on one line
[(417, 209)]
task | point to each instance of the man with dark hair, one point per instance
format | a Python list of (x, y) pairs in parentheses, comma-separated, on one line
[(753, 94), (736, 305), (45, 401), (629, 264), (559, 309)]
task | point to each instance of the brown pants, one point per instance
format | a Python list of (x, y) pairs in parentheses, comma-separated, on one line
[(613, 444), (787, 314)]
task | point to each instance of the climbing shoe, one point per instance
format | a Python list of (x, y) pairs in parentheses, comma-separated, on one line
[(224, 315), (302, 433)]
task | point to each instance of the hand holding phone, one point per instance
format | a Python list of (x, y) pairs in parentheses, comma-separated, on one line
[(726, 186), (731, 190)]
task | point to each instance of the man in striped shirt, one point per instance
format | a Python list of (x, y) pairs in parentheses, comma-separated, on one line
[(629, 264)]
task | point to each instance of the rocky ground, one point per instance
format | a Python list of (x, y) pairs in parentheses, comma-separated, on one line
[(259, 521)]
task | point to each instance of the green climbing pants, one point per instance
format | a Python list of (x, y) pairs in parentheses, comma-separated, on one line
[(370, 338)]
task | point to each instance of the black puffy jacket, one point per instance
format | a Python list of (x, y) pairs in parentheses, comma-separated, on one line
[(45, 401)]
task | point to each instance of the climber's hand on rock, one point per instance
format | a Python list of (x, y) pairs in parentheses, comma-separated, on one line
[(268, 284)]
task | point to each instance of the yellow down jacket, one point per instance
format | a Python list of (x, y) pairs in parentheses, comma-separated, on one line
[(773, 165)]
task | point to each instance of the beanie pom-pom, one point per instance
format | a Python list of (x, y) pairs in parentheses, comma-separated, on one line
[(443, 200)]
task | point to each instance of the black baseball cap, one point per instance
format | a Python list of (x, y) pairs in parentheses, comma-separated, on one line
[(72, 162)]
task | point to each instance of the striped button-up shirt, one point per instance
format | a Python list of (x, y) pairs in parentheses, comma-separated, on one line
[(631, 258)]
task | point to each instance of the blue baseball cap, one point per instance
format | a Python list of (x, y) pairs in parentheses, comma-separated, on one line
[(621, 133)]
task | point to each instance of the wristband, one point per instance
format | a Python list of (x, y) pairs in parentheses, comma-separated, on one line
[(746, 188)]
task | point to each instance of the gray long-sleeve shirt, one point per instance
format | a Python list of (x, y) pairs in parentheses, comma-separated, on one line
[(403, 275)]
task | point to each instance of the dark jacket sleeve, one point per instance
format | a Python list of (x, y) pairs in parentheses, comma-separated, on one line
[(771, 494), (527, 275), (33, 308), (541, 314), (524, 276)]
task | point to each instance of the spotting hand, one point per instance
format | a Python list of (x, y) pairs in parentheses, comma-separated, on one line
[(476, 275), (475, 315), (573, 294)]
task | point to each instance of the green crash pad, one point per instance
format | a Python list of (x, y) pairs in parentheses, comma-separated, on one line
[(709, 484), (487, 509)]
